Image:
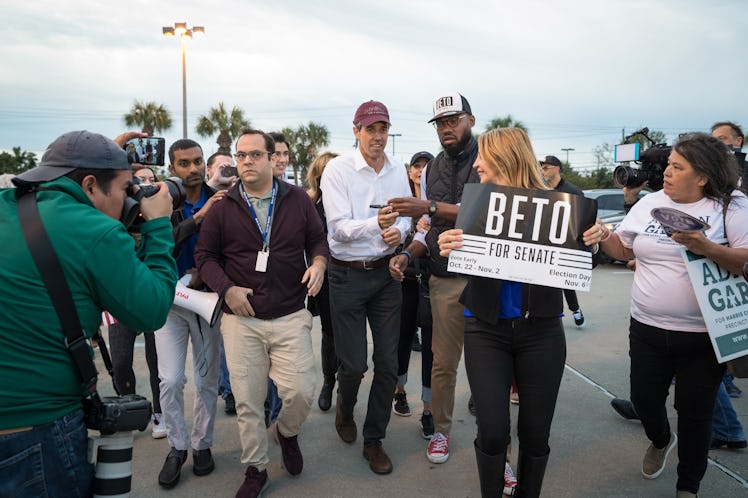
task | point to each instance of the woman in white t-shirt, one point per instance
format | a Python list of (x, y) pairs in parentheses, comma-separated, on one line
[(667, 334)]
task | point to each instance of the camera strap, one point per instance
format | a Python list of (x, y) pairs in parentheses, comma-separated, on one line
[(49, 268)]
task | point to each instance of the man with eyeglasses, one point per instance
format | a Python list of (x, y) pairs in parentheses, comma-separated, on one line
[(252, 252), (363, 233), (441, 192), (183, 326), (282, 155)]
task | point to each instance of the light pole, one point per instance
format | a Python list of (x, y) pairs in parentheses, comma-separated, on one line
[(567, 155), (393, 135), (180, 29)]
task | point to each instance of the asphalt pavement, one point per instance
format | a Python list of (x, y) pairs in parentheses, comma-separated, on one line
[(594, 452)]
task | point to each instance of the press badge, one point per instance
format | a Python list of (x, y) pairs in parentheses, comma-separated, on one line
[(262, 261)]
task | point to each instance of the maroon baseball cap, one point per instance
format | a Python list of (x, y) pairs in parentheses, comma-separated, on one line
[(371, 112)]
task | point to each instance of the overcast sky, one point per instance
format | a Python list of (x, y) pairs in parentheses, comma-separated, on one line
[(576, 73)]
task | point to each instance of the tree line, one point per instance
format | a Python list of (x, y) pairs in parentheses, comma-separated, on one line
[(307, 140)]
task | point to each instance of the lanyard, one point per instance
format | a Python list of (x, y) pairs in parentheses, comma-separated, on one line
[(269, 222)]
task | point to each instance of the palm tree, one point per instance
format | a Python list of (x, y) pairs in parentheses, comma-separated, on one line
[(150, 116), (227, 124), (507, 122), (306, 142)]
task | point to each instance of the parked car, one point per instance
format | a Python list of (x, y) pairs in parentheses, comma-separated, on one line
[(610, 211), (609, 200)]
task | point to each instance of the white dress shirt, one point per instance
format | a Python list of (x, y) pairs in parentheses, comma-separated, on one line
[(349, 186)]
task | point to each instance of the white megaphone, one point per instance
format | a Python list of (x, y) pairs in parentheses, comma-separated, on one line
[(206, 304)]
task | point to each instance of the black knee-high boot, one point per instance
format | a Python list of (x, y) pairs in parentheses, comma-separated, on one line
[(490, 472), (530, 473)]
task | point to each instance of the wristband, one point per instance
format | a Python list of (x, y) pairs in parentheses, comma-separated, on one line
[(407, 255)]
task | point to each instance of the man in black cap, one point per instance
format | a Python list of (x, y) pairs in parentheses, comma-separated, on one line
[(552, 172), (442, 184), (80, 186)]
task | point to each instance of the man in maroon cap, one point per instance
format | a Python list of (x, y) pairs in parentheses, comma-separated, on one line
[(363, 233)]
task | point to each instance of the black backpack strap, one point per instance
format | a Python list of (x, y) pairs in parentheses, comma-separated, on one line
[(54, 279)]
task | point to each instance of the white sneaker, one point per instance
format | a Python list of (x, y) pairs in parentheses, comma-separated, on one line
[(510, 481), (158, 428), (578, 317), (438, 450)]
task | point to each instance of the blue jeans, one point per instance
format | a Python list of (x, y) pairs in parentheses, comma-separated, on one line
[(725, 423), (49, 460), (273, 404), (224, 383)]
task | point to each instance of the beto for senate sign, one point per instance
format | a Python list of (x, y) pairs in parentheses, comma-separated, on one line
[(524, 235)]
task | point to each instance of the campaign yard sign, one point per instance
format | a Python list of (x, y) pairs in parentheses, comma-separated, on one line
[(524, 235), (723, 300)]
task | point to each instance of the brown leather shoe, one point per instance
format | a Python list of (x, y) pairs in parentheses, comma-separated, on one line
[(345, 426), (379, 462)]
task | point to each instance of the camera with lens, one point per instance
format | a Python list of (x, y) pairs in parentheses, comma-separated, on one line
[(131, 216), (112, 414), (652, 163)]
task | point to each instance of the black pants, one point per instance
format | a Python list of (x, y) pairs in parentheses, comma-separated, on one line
[(656, 355), (408, 329), (533, 352), (571, 299), (121, 344), (329, 358), (355, 296)]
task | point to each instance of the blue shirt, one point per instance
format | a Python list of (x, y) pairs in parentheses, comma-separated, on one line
[(186, 259), (510, 298)]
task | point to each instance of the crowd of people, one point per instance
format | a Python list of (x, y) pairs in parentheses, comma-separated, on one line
[(368, 242)]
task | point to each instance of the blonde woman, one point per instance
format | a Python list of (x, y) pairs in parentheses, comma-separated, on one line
[(511, 330), (320, 304)]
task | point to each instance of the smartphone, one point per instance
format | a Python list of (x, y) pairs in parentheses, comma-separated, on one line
[(377, 206), (148, 151), (228, 171)]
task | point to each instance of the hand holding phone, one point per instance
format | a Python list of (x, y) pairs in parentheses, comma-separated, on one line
[(148, 151), (228, 171)]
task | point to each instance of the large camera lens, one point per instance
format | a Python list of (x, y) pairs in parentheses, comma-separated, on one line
[(626, 176), (131, 216)]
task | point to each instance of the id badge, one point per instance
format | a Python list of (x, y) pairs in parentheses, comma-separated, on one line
[(262, 261)]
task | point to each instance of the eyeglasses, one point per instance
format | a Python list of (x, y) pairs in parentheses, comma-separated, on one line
[(449, 122), (545, 166), (255, 155)]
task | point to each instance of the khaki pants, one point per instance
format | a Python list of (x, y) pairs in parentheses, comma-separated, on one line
[(447, 339), (282, 349)]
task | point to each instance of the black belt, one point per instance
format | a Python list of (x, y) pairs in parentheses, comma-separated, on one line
[(364, 265)]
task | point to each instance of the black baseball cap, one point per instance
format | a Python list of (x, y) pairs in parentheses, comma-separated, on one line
[(418, 155), (75, 150), (552, 160)]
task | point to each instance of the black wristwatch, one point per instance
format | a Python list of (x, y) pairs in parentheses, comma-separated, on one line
[(432, 208)]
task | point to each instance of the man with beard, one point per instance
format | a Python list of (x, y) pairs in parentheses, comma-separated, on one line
[(182, 325), (441, 192)]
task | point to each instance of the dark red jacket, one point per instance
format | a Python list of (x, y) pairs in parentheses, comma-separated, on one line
[(226, 251)]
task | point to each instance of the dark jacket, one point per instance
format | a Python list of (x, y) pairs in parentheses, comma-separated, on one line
[(569, 188), (445, 178), (184, 228), (226, 252), (481, 297)]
